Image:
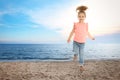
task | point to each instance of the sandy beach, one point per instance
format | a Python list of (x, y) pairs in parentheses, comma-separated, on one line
[(60, 70)]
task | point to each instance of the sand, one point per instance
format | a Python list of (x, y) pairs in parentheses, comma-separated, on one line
[(60, 70)]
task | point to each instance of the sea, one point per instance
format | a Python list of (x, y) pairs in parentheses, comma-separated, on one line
[(56, 52)]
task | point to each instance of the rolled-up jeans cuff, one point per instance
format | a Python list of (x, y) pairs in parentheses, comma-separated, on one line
[(81, 64)]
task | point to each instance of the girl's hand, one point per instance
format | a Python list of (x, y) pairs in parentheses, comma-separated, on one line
[(90, 36), (93, 38), (68, 41)]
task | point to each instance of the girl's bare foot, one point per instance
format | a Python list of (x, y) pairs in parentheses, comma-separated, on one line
[(82, 68)]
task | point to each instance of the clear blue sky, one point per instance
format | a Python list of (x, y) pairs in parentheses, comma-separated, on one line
[(47, 21), (16, 24)]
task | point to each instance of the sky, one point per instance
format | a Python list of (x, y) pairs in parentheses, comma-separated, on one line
[(50, 21)]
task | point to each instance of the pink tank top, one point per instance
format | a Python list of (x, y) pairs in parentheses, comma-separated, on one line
[(80, 30)]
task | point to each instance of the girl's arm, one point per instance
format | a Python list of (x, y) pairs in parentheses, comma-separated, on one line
[(71, 34), (90, 36)]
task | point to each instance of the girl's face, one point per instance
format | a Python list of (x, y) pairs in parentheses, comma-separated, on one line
[(81, 16)]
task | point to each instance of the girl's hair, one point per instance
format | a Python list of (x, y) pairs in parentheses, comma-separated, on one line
[(81, 9)]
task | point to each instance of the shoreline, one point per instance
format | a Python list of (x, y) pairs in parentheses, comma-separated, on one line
[(50, 60), (60, 70)]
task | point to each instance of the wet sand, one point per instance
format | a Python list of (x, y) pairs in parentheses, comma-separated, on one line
[(60, 70)]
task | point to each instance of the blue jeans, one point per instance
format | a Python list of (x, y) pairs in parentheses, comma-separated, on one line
[(78, 48)]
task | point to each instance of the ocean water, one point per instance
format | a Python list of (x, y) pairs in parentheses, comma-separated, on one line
[(56, 51)]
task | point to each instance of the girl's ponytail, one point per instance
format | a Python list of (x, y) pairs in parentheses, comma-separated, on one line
[(81, 8)]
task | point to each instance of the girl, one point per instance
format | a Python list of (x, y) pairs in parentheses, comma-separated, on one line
[(80, 29)]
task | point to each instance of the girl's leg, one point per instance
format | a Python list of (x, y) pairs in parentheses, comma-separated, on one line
[(81, 57), (76, 50)]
